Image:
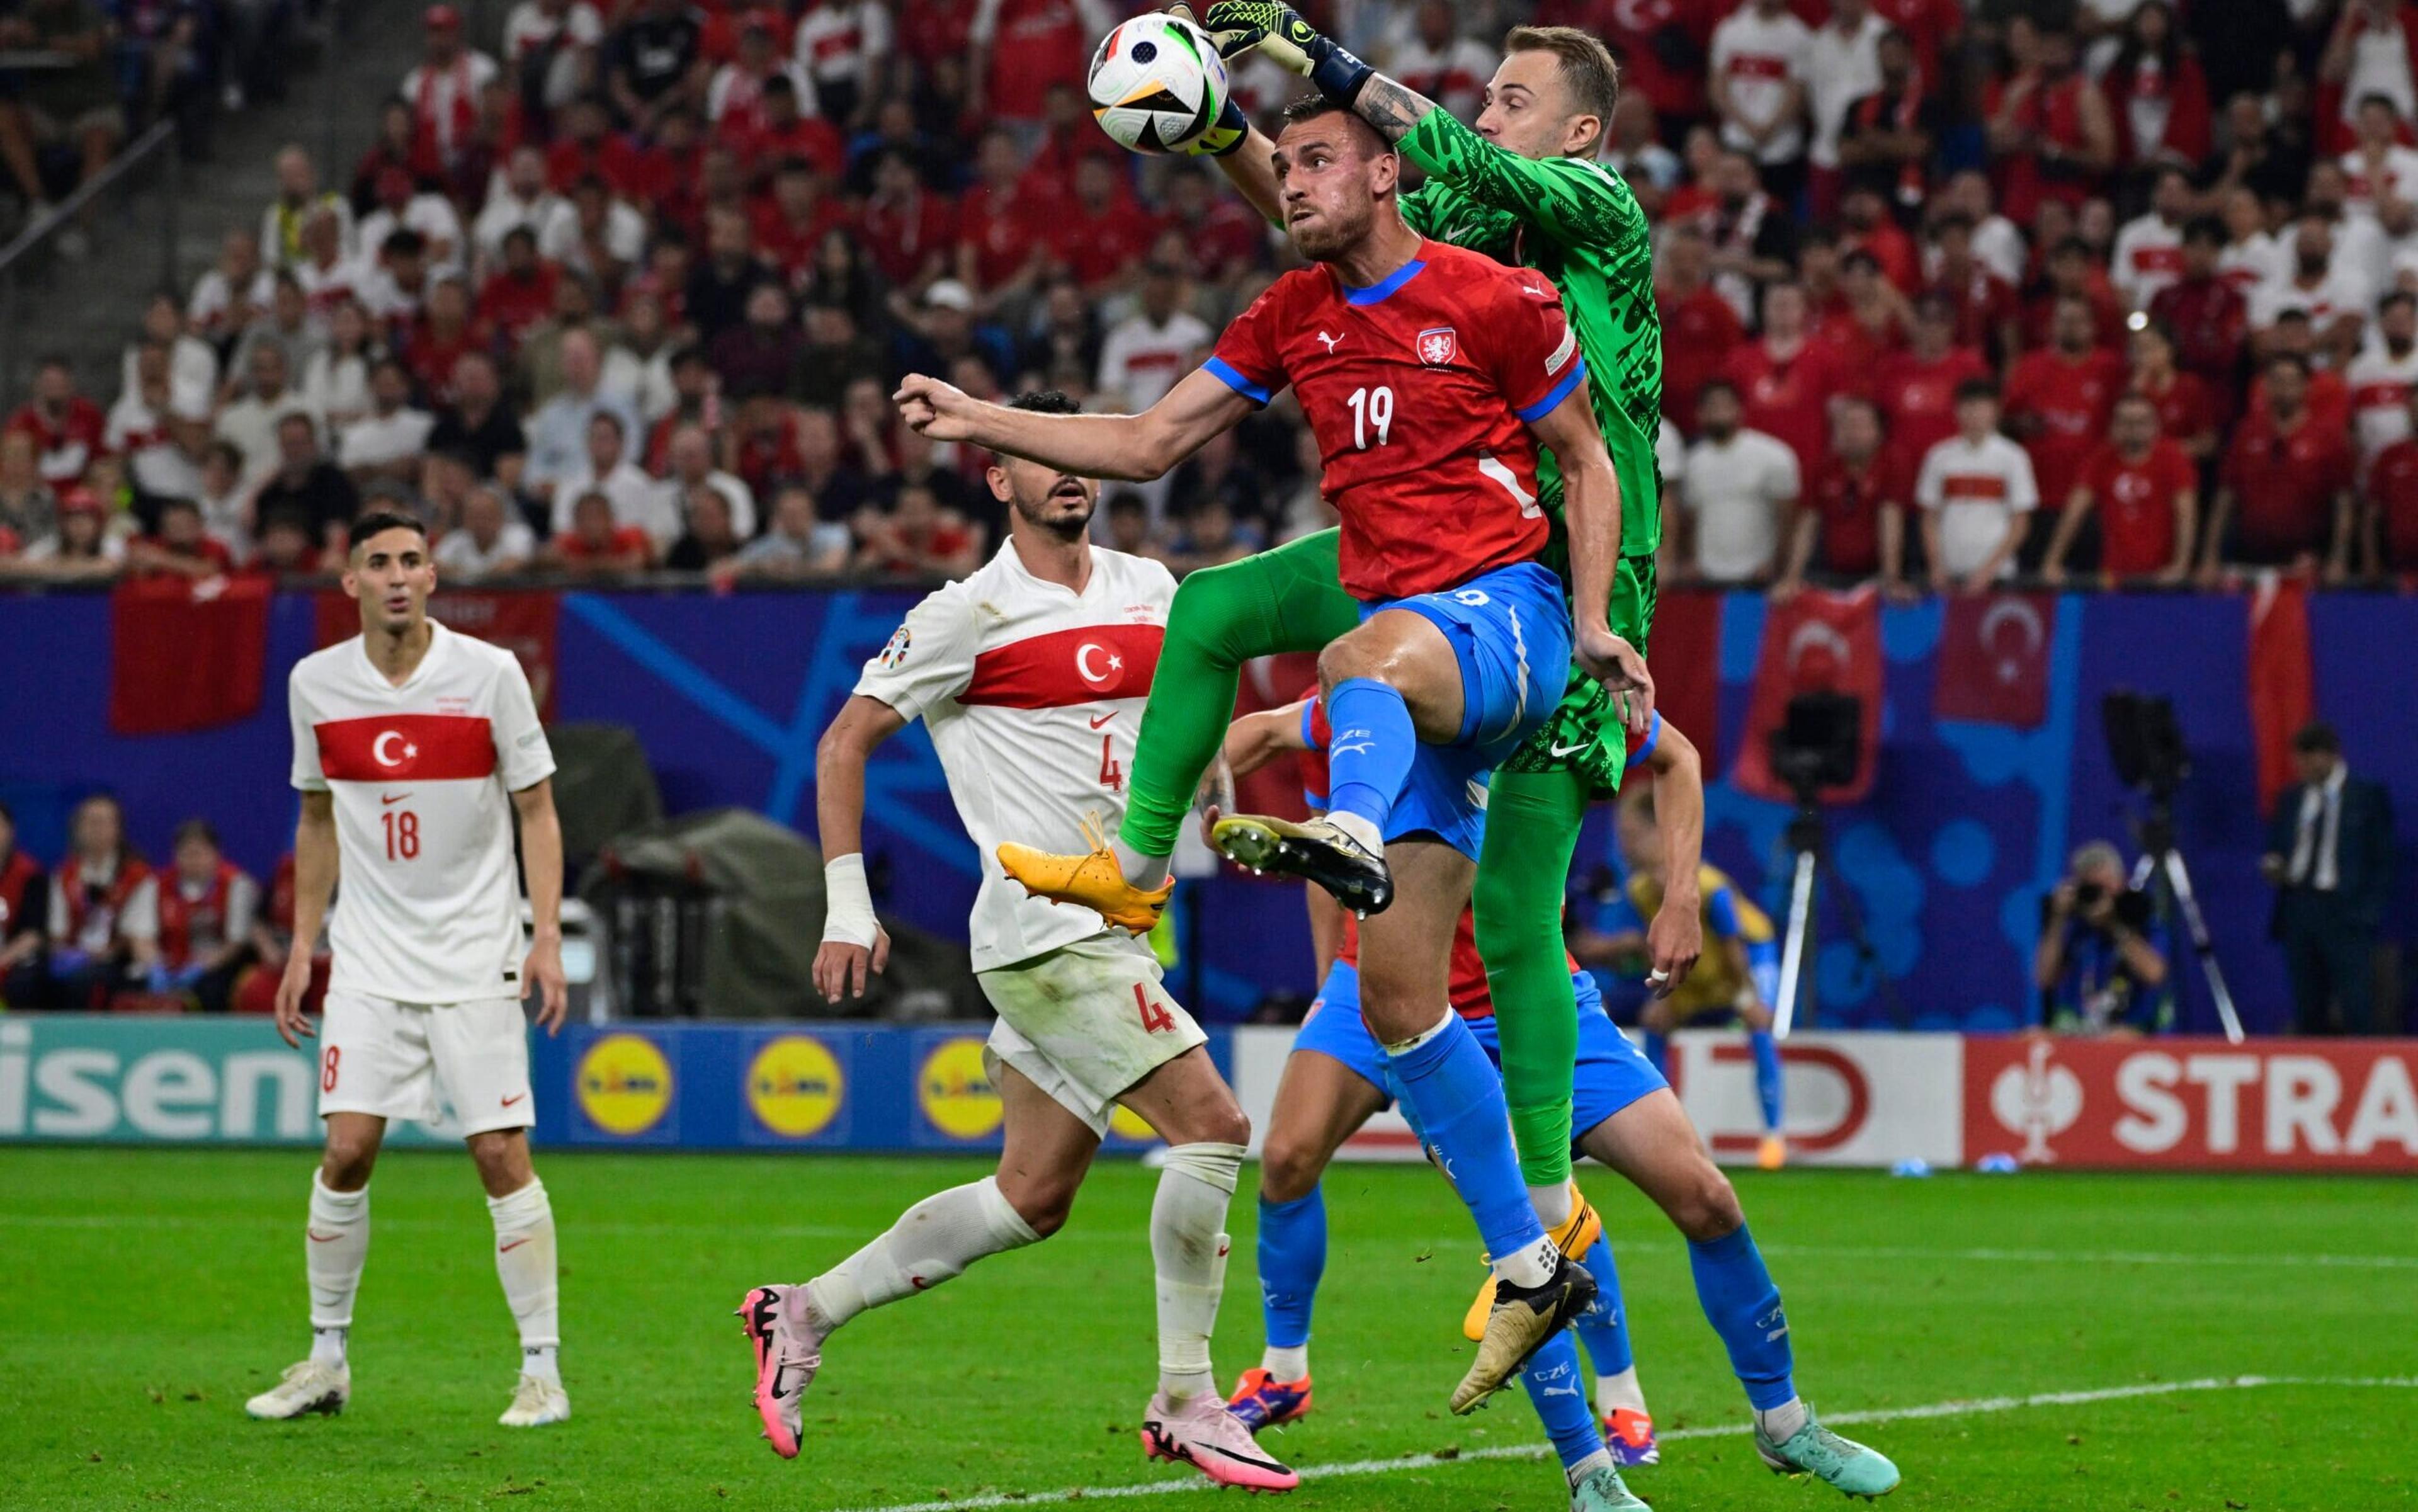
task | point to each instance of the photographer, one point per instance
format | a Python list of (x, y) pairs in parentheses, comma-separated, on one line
[(2102, 967)]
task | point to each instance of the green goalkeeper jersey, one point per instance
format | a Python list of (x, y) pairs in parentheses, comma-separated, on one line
[(1574, 221)]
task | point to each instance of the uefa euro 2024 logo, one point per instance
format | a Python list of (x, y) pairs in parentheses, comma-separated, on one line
[(2038, 1099)]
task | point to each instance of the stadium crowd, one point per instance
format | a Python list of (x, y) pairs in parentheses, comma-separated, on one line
[(2038, 287)]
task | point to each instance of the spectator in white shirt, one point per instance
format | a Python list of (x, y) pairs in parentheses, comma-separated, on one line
[(2380, 377), (557, 433), (1997, 243), (1757, 88), (251, 423), (489, 543), (162, 443), (232, 293), (443, 91), (1430, 59), (2253, 255), (390, 440), (1149, 349), (1741, 486), (336, 377), (1977, 495), (2149, 250), (2368, 53), (2378, 166), (327, 271), (2333, 297), (401, 206), (1843, 65), (193, 363), (549, 44), (607, 469), (734, 96), (688, 461), (593, 234), (517, 195), (845, 46)]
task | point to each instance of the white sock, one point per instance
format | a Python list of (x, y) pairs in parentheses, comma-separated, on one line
[(1779, 1424), (1552, 1204), (1188, 1245), (524, 1263), (1361, 829), (1530, 1265), (544, 1361), (1611, 1392), (335, 1245), (1290, 1363), (1601, 1459), (932, 1243), (1406, 1047), (1144, 872)]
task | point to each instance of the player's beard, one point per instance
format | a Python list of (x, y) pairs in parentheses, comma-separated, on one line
[(1065, 522), (1333, 234)]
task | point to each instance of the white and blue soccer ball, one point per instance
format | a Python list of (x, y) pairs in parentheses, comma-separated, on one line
[(1157, 82)]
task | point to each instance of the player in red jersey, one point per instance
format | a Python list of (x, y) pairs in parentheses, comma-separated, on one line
[(1430, 375), (413, 747)]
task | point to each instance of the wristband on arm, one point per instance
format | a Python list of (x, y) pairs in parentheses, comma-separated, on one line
[(847, 906)]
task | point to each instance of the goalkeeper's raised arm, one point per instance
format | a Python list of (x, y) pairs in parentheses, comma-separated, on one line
[(1530, 155)]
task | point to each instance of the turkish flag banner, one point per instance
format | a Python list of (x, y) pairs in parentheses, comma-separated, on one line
[(1994, 659), (1814, 643), (2283, 677), (1684, 653), (186, 655), (2278, 1104), (523, 622)]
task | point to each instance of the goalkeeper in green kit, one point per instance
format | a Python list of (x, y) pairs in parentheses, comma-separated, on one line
[(1523, 187)]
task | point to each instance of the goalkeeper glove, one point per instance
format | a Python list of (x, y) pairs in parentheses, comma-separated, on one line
[(1225, 134), (1277, 30)]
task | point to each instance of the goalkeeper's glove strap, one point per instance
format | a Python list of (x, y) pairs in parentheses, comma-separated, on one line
[(1339, 75)]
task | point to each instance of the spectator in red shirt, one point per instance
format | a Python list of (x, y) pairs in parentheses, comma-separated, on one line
[(2048, 125), (179, 548), (2075, 273), (2157, 97), (1003, 221), (1917, 388), (2285, 494), (1223, 237), (1699, 328), (2208, 316), (1785, 380), (1984, 304), (595, 546), (2057, 401), (792, 221), (1022, 47), (2186, 409), (1888, 138), (1863, 215), (2295, 335), (1851, 524), (782, 130), (2388, 523), (2145, 494), (1103, 236), (520, 294), (66, 428), (910, 230), (1871, 322), (590, 146)]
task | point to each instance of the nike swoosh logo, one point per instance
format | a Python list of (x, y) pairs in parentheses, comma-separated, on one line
[(515, 1098), (1103, 719), (506, 1249), (318, 1238), (392, 798), (1572, 750)]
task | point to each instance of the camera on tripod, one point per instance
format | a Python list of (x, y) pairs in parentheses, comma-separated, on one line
[(2146, 745), (1819, 743)]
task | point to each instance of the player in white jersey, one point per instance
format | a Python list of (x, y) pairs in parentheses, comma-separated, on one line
[(413, 746), (1031, 674)]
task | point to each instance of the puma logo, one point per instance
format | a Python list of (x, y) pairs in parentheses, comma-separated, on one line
[(1332, 342)]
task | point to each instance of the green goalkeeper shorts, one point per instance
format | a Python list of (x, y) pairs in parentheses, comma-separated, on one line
[(1587, 734)]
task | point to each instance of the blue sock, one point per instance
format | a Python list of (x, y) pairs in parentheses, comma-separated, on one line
[(1293, 1255), (1560, 1396), (1766, 1076), (1658, 1053), (1604, 1326), (1368, 756), (1456, 1097), (1742, 1303)]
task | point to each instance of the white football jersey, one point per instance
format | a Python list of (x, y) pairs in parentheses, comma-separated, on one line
[(421, 777), (1034, 696), (2380, 397)]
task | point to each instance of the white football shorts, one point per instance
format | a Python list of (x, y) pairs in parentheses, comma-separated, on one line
[(1085, 1022), (406, 1060)]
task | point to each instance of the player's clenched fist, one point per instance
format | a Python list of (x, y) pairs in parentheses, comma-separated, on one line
[(1617, 665), (930, 407)]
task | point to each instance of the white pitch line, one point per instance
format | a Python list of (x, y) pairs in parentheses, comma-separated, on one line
[(1539, 1451), (2110, 1257)]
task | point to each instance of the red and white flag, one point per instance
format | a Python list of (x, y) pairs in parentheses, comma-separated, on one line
[(1814, 643), (1994, 659)]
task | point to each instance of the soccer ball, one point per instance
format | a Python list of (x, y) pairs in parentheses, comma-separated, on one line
[(1157, 82)]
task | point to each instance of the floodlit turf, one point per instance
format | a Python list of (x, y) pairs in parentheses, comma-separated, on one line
[(144, 1295)]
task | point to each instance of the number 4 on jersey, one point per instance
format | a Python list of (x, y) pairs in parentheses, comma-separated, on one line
[(1155, 1019), (1112, 775)]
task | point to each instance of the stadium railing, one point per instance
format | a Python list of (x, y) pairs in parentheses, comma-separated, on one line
[(110, 197)]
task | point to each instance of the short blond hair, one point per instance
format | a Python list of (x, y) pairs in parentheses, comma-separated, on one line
[(1589, 71)]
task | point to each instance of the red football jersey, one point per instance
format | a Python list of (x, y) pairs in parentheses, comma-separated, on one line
[(1420, 390), (2393, 487), (2136, 505), (2071, 400), (1467, 986)]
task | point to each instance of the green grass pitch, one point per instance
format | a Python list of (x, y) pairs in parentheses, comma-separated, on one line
[(145, 1294)]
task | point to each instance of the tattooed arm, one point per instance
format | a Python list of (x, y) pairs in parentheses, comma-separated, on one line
[(1392, 108)]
